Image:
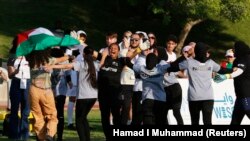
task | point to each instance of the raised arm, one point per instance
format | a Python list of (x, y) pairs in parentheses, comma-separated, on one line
[(12, 71), (104, 55), (62, 59), (58, 66)]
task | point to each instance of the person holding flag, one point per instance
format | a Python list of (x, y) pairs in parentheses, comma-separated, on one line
[(19, 73), (36, 48)]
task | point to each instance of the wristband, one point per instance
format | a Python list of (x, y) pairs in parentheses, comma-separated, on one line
[(228, 76)]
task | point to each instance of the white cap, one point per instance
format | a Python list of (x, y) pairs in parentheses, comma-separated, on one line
[(186, 48), (144, 33), (230, 53), (81, 32)]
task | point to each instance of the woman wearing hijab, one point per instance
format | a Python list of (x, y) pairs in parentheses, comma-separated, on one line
[(241, 76), (200, 91), (172, 89), (153, 94)]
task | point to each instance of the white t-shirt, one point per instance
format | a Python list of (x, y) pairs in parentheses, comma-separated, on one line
[(170, 78), (86, 91), (171, 57), (24, 69), (200, 78)]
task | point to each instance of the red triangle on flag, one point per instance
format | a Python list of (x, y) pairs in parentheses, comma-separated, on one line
[(21, 37)]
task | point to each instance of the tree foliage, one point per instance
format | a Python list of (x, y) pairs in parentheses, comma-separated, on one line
[(192, 12)]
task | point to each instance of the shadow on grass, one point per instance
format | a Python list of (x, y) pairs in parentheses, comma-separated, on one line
[(71, 135), (95, 136)]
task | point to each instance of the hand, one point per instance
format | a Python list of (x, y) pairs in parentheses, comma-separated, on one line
[(68, 52), (73, 34), (71, 58), (48, 68), (16, 71), (145, 45), (104, 55), (221, 77), (105, 52), (126, 42)]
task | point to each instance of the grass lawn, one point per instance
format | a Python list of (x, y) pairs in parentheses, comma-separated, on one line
[(70, 135)]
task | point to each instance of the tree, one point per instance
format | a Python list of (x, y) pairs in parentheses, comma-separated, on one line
[(193, 12)]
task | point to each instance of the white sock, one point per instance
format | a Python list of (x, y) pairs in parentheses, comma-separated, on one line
[(70, 112)]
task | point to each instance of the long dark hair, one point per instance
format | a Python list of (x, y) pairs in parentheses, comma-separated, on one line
[(88, 52), (155, 42), (38, 58), (14, 45), (151, 61)]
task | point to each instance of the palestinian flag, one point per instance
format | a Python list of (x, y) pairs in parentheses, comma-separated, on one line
[(41, 39)]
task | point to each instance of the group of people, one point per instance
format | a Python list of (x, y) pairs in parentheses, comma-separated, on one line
[(39, 92), (133, 80)]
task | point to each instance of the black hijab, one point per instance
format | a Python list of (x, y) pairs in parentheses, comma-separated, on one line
[(151, 61), (201, 50), (162, 54), (241, 49)]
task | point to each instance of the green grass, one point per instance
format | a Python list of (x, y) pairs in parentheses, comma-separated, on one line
[(71, 135)]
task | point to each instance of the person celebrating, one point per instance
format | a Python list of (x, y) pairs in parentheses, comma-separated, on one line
[(19, 73), (241, 76), (42, 103), (87, 95), (229, 59)]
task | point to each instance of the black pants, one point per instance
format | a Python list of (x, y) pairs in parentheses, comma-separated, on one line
[(125, 100), (241, 108), (60, 101), (109, 103), (154, 112), (206, 106), (83, 107), (174, 100), (137, 108)]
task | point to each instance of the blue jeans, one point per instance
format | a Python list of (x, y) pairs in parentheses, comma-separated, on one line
[(19, 128)]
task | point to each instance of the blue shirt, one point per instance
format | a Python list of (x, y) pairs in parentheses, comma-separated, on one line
[(152, 81)]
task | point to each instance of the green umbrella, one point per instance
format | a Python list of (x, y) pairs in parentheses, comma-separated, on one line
[(41, 40)]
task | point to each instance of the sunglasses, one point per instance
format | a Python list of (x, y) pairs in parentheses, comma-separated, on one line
[(132, 40), (229, 56), (151, 37)]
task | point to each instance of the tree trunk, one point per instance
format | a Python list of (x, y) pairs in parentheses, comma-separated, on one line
[(184, 33)]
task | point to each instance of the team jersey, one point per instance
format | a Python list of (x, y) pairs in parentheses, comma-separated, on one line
[(200, 78)]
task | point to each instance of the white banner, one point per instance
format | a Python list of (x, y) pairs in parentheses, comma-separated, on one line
[(224, 98)]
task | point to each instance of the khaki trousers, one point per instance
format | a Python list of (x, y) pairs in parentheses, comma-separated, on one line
[(42, 106)]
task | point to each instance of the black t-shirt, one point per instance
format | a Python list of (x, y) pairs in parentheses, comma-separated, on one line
[(109, 75), (242, 82)]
